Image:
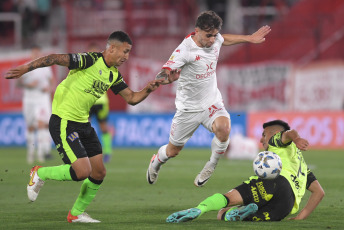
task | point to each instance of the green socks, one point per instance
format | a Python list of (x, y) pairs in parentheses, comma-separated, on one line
[(213, 203), (61, 172), (87, 193), (107, 143)]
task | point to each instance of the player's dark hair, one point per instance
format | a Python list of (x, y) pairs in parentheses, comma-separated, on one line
[(120, 36), (209, 20), (277, 122)]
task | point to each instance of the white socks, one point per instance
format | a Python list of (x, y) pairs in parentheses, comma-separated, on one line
[(160, 158), (218, 148)]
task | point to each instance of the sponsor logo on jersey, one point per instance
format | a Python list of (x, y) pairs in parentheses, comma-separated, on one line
[(209, 66), (197, 58)]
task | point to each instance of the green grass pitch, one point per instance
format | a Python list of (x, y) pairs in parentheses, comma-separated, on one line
[(127, 201)]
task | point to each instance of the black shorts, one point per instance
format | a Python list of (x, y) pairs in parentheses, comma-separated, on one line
[(73, 140), (275, 198)]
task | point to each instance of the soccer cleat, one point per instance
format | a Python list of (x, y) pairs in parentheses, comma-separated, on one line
[(240, 213), (152, 174), (35, 184), (183, 216), (82, 218), (205, 174)]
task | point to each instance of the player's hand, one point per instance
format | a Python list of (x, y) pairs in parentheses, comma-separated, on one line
[(259, 35), (168, 76), (16, 72), (174, 75), (301, 143), (153, 85)]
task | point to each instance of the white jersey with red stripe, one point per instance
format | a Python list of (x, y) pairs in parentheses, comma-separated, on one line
[(197, 86)]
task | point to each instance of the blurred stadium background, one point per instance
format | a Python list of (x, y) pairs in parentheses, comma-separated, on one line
[(296, 75)]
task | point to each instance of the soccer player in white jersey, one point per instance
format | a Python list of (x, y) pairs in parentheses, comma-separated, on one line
[(37, 85), (198, 99)]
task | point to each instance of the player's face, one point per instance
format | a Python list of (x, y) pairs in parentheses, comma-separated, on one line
[(266, 135), (120, 53), (205, 39)]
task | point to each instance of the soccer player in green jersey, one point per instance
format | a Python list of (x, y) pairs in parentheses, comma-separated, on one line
[(91, 75), (267, 200)]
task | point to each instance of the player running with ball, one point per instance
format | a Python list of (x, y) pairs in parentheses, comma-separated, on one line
[(198, 99)]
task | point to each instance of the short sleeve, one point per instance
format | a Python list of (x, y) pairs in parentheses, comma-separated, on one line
[(83, 60)]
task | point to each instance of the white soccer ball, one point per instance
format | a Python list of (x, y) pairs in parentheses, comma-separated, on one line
[(267, 165)]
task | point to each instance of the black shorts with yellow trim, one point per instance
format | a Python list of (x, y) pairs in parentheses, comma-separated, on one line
[(274, 198), (74, 140)]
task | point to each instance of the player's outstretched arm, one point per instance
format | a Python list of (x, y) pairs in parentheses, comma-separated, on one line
[(52, 59), (168, 76), (313, 201), (256, 38), (133, 98), (292, 135)]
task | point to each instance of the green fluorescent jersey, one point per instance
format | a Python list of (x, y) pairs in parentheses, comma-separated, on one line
[(294, 167), (102, 100), (88, 79)]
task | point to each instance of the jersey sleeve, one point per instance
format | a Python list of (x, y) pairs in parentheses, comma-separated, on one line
[(83, 60), (310, 178), (119, 84), (276, 140), (178, 58)]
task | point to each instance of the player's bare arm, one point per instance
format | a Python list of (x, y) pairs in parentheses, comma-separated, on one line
[(313, 201), (256, 38), (168, 76), (52, 59), (292, 135), (133, 98)]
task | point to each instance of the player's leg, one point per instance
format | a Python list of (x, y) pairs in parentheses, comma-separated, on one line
[(182, 128), (217, 121), (159, 159), (43, 135), (88, 191), (77, 166), (29, 116), (92, 183), (212, 203)]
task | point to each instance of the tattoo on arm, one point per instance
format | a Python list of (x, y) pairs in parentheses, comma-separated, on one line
[(161, 75), (52, 59)]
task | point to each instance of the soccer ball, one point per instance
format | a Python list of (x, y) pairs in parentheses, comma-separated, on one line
[(267, 165)]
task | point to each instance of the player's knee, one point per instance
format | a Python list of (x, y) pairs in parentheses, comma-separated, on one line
[(83, 174), (223, 134)]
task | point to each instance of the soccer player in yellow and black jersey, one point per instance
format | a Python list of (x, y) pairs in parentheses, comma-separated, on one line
[(267, 200), (91, 75)]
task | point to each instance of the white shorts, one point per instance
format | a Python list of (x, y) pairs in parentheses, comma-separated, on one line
[(184, 124), (36, 111)]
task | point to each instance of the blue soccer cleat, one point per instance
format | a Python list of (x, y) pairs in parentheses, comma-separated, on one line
[(240, 213), (183, 216)]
